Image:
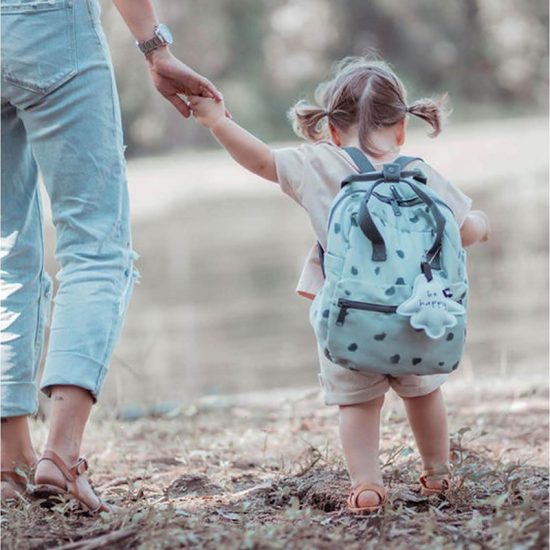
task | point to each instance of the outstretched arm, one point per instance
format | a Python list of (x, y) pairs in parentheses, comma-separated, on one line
[(170, 76), (250, 152), (475, 228)]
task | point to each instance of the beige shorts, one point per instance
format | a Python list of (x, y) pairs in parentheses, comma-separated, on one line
[(342, 386)]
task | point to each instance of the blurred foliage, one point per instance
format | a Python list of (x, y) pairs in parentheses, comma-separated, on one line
[(491, 55)]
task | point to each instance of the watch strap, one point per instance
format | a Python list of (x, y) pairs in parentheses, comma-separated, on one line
[(150, 45)]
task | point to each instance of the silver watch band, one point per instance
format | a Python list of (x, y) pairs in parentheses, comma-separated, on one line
[(161, 37), (149, 45)]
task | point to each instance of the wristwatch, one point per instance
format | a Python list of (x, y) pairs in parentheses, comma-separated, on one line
[(162, 37)]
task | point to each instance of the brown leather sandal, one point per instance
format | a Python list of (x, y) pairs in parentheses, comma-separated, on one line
[(353, 505), (17, 485), (438, 473), (46, 487)]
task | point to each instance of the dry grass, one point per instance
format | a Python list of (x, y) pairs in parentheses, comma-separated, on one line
[(234, 473)]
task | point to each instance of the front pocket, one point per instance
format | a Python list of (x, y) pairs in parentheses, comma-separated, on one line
[(345, 305), (368, 335), (38, 44)]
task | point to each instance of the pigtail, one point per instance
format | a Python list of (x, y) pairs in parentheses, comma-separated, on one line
[(434, 112), (309, 121)]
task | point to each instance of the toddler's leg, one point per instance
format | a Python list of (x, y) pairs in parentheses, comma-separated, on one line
[(360, 434), (428, 419)]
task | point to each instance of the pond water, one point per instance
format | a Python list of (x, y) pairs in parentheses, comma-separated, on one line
[(216, 310)]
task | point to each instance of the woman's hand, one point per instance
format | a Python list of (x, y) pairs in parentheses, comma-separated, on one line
[(207, 111), (173, 78)]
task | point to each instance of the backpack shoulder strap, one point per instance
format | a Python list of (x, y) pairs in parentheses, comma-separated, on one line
[(404, 161), (363, 163)]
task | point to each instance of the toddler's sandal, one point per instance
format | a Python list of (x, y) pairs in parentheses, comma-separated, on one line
[(353, 499), (47, 488), (435, 474)]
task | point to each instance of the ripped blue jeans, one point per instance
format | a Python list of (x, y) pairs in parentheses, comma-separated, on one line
[(60, 114)]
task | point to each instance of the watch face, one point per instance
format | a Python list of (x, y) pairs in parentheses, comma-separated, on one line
[(164, 32)]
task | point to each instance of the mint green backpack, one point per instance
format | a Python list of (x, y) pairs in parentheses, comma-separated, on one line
[(395, 293)]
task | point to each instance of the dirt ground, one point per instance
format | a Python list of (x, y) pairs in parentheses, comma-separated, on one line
[(264, 470)]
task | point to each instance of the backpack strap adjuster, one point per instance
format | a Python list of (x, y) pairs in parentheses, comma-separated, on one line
[(391, 172)]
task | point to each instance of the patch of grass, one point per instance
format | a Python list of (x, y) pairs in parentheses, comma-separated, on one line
[(233, 478)]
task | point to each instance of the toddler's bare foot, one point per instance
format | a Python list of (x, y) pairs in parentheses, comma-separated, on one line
[(367, 497), (435, 480)]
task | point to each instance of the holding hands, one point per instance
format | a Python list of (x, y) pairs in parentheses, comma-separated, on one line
[(207, 112), (173, 78)]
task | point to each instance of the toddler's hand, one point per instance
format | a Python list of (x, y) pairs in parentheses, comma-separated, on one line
[(485, 218), (208, 112)]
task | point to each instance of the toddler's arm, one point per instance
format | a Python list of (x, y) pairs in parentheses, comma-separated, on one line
[(250, 152), (475, 228)]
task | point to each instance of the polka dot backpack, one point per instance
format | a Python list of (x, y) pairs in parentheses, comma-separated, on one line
[(395, 293)]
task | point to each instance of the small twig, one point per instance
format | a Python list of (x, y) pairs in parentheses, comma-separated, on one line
[(101, 541), (252, 490), (121, 481)]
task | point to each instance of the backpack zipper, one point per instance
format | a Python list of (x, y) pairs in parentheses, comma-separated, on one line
[(344, 305), (394, 202)]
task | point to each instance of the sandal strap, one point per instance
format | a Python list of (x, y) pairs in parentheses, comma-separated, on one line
[(12, 476), (358, 489), (436, 473), (71, 473)]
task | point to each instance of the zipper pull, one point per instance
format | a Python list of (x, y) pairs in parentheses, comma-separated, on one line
[(393, 202), (342, 315), (394, 192)]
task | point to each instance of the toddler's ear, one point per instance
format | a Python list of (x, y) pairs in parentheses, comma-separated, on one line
[(400, 130), (335, 135)]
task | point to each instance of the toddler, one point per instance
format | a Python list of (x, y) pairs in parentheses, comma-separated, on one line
[(363, 105)]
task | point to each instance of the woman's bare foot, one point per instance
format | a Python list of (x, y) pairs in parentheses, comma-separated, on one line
[(59, 466), (18, 457), (65, 473)]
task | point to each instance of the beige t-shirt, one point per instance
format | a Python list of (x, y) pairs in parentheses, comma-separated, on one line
[(311, 174)]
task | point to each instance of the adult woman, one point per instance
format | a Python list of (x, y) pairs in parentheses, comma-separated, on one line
[(60, 114)]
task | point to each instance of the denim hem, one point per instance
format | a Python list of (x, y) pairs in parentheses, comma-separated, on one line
[(18, 399), (73, 369)]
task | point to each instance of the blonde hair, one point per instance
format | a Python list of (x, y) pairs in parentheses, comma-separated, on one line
[(366, 93)]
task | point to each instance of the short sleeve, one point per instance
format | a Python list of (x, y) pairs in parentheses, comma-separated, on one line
[(455, 199), (289, 164)]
